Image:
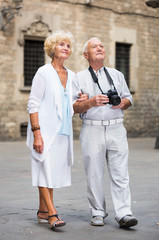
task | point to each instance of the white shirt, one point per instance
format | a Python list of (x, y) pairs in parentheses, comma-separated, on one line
[(45, 98), (83, 82)]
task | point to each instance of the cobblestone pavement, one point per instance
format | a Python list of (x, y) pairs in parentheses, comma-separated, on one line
[(19, 200)]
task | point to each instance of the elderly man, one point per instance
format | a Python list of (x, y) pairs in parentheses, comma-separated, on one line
[(103, 136)]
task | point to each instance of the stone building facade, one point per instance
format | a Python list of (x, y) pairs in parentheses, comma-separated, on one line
[(126, 22)]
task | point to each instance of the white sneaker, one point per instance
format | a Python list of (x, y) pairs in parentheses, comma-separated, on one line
[(127, 221), (97, 221)]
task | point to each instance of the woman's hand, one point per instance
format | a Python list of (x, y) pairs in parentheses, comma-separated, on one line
[(82, 97), (38, 144)]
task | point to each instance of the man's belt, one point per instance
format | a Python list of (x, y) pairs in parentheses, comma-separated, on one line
[(102, 123)]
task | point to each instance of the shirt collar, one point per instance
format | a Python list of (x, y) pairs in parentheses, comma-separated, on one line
[(99, 71)]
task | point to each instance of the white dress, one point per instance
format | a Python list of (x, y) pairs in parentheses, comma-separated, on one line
[(52, 168), (55, 170)]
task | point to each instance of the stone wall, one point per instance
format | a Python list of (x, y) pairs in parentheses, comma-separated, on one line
[(124, 21)]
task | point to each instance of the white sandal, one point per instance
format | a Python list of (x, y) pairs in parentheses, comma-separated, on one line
[(56, 222), (42, 220)]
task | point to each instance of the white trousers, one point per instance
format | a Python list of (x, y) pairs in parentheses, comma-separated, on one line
[(101, 144)]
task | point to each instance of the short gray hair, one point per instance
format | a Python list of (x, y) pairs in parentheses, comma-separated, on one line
[(86, 44)]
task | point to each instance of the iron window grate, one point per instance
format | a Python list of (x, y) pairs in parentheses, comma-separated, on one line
[(23, 129), (34, 58), (123, 59)]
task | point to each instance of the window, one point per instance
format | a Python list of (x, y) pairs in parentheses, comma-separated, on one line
[(23, 129), (123, 60), (34, 57)]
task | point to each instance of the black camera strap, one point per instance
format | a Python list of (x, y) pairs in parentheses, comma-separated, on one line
[(94, 76)]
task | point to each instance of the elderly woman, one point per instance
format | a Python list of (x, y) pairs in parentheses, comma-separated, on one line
[(49, 134)]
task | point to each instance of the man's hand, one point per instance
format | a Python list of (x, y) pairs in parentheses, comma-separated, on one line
[(100, 100), (125, 103), (82, 97)]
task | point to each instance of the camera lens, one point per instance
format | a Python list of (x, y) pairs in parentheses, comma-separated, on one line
[(115, 100)]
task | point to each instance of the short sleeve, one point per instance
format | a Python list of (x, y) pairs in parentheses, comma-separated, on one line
[(125, 93), (75, 89)]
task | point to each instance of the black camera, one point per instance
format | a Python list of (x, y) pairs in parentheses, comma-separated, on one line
[(114, 99), (112, 94)]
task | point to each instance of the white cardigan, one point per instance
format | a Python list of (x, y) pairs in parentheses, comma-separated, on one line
[(45, 98)]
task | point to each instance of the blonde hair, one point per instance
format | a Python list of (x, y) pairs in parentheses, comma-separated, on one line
[(85, 47), (57, 37)]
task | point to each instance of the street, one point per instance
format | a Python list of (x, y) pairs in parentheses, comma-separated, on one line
[(19, 200)]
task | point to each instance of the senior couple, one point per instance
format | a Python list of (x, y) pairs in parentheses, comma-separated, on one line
[(56, 94)]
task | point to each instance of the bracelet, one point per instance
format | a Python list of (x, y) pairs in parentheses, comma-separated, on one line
[(36, 127)]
